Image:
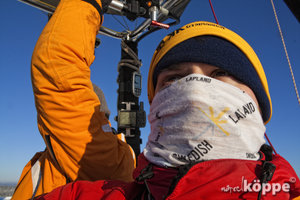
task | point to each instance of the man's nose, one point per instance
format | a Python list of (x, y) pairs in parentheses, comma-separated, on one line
[(196, 69)]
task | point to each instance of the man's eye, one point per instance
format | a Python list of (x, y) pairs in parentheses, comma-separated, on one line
[(218, 73), (173, 78), (169, 80)]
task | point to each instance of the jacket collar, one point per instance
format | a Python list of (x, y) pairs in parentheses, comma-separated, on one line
[(160, 181)]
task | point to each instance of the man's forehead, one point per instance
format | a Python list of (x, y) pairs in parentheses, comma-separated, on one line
[(185, 66), (174, 67)]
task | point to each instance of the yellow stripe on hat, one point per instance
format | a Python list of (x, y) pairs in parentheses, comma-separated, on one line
[(206, 28)]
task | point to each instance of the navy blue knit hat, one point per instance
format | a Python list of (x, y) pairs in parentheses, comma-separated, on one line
[(220, 53)]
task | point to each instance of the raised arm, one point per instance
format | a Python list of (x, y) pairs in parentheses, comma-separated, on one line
[(67, 107)]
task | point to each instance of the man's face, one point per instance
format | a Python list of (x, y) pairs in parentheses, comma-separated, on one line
[(178, 71)]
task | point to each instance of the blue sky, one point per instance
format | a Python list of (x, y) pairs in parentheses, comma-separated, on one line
[(253, 20)]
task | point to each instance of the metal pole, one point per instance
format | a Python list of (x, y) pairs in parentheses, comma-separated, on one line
[(131, 114)]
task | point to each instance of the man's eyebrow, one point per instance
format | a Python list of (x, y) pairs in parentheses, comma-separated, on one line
[(173, 67)]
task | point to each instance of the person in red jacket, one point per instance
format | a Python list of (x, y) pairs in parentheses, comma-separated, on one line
[(209, 105)]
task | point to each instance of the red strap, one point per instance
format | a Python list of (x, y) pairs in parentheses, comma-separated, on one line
[(270, 143), (212, 9)]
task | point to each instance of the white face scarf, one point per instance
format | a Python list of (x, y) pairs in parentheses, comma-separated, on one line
[(200, 118)]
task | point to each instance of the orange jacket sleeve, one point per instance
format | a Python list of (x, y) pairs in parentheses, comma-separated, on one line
[(67, 107)]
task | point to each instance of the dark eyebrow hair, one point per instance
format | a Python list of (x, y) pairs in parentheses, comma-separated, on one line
[(175, 66)]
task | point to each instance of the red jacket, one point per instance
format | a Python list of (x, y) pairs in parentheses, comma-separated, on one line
[(214, 179)]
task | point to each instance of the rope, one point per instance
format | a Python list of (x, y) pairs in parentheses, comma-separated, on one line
[(125, 22), (213, 11), (133, 63), (119, 22), (270, 143), (286, 53)]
